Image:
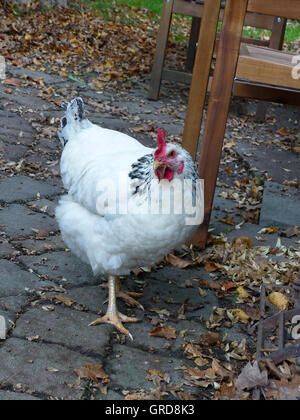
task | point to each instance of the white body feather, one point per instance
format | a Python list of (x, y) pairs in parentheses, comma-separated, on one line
[(111, 243)]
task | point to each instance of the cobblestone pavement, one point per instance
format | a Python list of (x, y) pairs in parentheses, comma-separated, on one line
[(48, 297)]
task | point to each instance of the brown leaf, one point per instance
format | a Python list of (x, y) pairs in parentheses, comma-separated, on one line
[(185, 397), (290, 232), (210, 266), (210, 338), (92, 372), (13, 82), (41, 234), (210, 284), (228, 221), (164, 331), (67, 301), (294, 183), (193, 351), (178, 262), (227, 285), (283, 131), (296, 149), (269, 231), (284, 389)]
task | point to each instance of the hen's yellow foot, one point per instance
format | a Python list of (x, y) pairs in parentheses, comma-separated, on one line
[(116, 320)]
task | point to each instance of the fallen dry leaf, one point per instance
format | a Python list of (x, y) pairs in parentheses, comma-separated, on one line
[(92, 372), (211, 266), (178, 262), (13, 82), (290, 232), (210, 338), (294, 183), (228, 285), (210, 284), (283, 131), (251, 377), (243, 294), (242, 241), (67, 301), (268, 231), (228, 221), (288, 390), (240, 314), (279, 300), (164, 331)]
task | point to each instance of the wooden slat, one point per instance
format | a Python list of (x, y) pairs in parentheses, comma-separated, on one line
[(285, 8), (196, 10), (258, 21), (266, 93), (187, 8), (200, 77), (176, 76), (218, 108), (194, 35), (276, 42), (161, 46), (245, 89), (267, 66)]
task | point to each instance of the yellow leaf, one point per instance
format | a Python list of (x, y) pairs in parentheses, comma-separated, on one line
[(242, 241), (243, 294), (240, 314), (279, 300)]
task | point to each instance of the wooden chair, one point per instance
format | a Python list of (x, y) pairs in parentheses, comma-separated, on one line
[(270, 71), (195, 8)]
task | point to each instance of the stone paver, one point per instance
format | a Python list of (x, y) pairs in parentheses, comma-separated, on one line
[(43, 369), (18, 221), (23, 188)]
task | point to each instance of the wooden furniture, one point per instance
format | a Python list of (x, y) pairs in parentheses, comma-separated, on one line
[(195, 9), (248, 64)]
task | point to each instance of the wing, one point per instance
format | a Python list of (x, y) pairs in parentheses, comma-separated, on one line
[(95, 163)]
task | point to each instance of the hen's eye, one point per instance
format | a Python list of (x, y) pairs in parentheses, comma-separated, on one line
[(172, 154)]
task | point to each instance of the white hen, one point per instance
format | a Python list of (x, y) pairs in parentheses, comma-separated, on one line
[(115, 216)]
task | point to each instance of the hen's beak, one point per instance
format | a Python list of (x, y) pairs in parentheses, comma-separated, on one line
[(157, 164)]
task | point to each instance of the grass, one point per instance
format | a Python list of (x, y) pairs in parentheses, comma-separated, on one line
[(108, 10), (153, 5)]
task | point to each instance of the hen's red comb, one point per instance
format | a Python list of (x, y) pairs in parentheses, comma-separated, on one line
[(161, 139), (161, 142)]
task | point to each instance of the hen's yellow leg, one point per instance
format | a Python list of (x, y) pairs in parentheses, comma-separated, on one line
[(127, 296), (113, 316)]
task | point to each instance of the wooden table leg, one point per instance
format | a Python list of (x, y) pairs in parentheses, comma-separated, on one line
[(161, 46), (207, 37), (220, 97), (192, 48), (276, 42)]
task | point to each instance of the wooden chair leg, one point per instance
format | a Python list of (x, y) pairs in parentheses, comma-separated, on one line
[(220, 97), (161, 47), (276, 42), (200, 78), (190, 61)]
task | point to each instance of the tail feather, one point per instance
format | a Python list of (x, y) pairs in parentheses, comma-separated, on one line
[(73, 121)]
